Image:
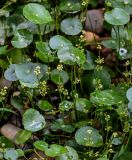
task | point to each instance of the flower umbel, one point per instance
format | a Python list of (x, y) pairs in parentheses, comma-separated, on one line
[(43, 88), (37, 70), (60, 67), (3, 93), (85, 2), (62, 90)]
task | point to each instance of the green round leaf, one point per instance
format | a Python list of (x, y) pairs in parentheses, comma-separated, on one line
[(60, 125), (33, 121), (126, 155), (47, 28), (55, 150), (44, 53), (17, 103), (111, 43), (25, 72), (41, 145), (71, 26), (116, 140), (88, 136), (47, 58), (71, 55), (67, 128), (124, 4), (20, 152), (58, 41), (6, 142), (11, 154), (83, 105), (123, 32), (1, 156), (37, 13), (117, 16), (44, 105), (22, 38), (70, 6), (129, 94), (22, 136), (17, 56), (70, 155), (90, 80), (3, 50), (106, 97), (59, 77), (10, 73), (89, 64), (130, 106), (104, 157), (4, 63), (30, 84), (65, 105), (43, 47)]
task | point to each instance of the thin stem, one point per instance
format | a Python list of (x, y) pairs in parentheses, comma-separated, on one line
[(74, 70), (39, 30), (56, 19), (2, 114), (81, 85), (118, 37), (107, 133), (25, 157), (39, 155)]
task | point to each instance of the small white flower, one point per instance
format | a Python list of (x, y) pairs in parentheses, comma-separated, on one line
[(126, 2), (89, 131), (37, 70), (69, 4), (122, 51)]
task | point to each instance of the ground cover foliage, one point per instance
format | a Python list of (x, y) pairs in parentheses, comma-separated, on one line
[(65, 80)]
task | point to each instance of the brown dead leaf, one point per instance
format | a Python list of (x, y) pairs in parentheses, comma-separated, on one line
[(9, 131), (94, 21), (91, 37)]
